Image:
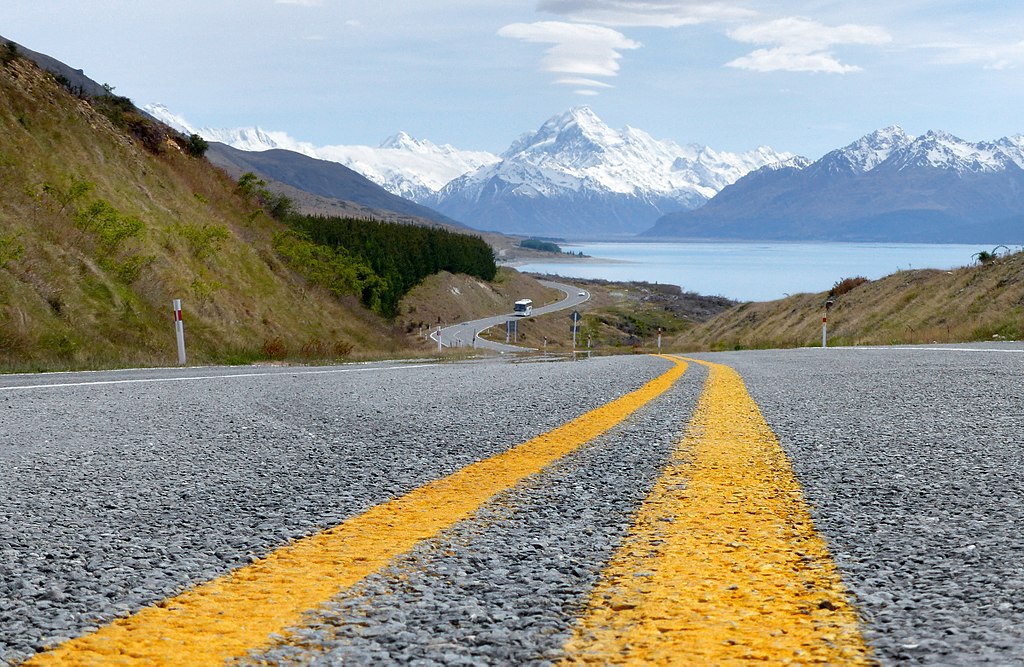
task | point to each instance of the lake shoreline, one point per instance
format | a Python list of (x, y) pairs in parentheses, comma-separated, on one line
[(746, 270)]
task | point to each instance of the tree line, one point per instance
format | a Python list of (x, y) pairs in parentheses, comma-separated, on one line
[(379, 261)]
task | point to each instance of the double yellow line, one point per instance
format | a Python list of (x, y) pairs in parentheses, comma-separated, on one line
[(237, 613), (722, 563)]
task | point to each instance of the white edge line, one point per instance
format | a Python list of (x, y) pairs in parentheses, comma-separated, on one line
[(930, 349), (210, 377)]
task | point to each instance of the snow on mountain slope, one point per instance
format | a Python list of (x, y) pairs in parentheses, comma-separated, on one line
[(886, 186), (410, 168), (574, 175), (577, 175), (576, 149), (892, 148), (941, 150)]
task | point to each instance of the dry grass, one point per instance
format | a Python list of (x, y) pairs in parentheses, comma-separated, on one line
[(66, 302), (444, 299), (973, 303)]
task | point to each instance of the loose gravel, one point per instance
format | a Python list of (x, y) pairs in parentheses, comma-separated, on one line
[(505, 586), (116, 496), (912, 462)]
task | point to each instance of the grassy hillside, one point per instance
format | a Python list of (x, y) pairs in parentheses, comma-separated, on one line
[(975, 303), (98, 233)]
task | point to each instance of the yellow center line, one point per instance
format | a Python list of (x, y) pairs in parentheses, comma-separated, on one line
[(234, 614), (723, 564)]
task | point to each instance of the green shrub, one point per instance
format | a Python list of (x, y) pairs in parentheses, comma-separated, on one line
[(75, 190), (196, 146), (537, 244), (9, 53), (11, 250), (401, 255), (203, 240), (334, 269), (108, 225), (128, 270)]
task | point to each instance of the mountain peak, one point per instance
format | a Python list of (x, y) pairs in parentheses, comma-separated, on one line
[(577, 131), (875, 148), (405, 141)]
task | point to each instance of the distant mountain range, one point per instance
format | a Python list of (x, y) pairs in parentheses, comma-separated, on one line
[(886, 186), (573, 177), (404, 166), (577, 178), (318, 177)]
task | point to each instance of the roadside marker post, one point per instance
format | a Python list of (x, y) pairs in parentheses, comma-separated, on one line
[(438, 337), (824, 322), (575, 328), (659, 340), (179, 331)]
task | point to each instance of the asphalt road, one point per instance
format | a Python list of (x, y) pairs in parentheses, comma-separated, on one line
[(119, 490), (467, 334)]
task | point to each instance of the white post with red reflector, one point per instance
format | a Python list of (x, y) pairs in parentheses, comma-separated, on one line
[(179, 330)]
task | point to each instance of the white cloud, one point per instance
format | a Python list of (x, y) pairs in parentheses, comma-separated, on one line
[(580, 81), (799, 44), (994, 56), (577, 49), (645, 13)]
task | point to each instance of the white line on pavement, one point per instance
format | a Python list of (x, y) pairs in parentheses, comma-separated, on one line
[(211, 377)]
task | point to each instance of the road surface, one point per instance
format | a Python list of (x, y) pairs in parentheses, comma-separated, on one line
[(467, 334), (416, 513)]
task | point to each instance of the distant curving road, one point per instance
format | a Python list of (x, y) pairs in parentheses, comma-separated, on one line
[(467, 334)]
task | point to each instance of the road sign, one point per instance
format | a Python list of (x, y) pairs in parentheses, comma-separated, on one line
[(576, 317)]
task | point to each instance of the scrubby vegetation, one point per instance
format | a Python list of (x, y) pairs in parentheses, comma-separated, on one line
[(380, 261), (106, 217), (537, 244), (972, 303)]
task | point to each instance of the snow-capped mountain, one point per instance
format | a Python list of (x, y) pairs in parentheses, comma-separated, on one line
[(410, 168), (886, 186), (575, 176)]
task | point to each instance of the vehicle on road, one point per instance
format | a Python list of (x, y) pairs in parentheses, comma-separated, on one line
[(524, 307)]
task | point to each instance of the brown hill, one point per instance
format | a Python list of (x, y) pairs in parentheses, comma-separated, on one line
[(975, 303), (104, 220)]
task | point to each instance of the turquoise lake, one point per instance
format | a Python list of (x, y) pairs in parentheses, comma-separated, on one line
[(749, 271)]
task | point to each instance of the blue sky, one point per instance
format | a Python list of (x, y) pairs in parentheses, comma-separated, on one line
[(804, 76)]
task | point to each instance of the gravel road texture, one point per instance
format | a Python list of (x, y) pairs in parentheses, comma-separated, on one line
[(912, 461), (115, 496)]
